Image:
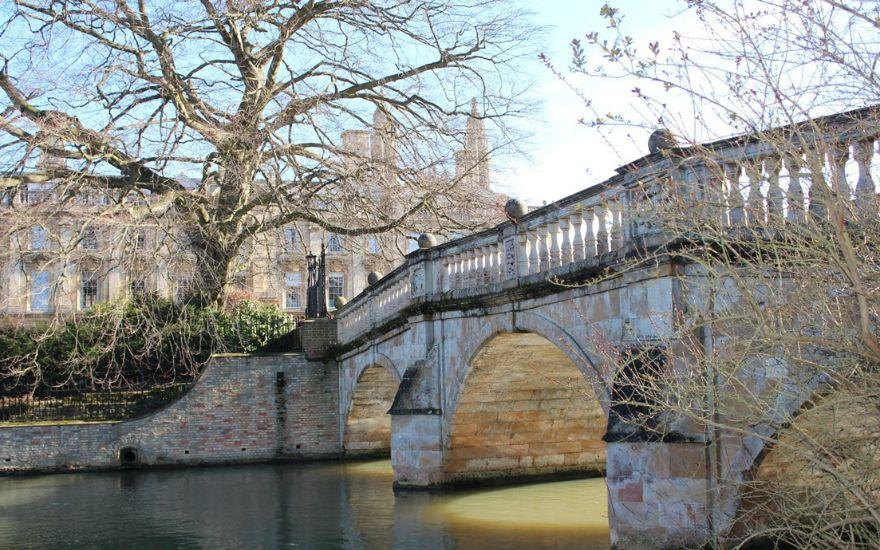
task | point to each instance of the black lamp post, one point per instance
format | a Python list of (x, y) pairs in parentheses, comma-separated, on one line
[(316, 293)]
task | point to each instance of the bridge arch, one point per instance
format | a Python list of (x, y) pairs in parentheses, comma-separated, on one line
[(813, 475), (585, 359), (367, 429), (524, 408)]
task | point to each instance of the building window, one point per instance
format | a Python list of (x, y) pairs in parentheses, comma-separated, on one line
[(291, 239), (335, 287), (292, 290), (41, 292), (89, 239), (334, 243), (88, 291), (39, 238)]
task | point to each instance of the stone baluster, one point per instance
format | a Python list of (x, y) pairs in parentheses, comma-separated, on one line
[(862, 152), (565, 248), (737, 215), (616, 235), (495, 273), (488, 263), (534, 244), (486, 274), (775, 197), (819, 191), (837, 157), (589, 234), (577, 243), (555, 252), (449, 259), (755, 200), (795, 191), (456, 271), (522, 254), (543, 248), (625, 217), (716, 196), (602, 233), (471, 268), (474, 267)]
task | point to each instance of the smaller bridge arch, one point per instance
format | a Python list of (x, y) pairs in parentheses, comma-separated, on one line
[(367, 428)]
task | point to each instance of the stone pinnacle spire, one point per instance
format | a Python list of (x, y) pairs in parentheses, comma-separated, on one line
[(473, 160)]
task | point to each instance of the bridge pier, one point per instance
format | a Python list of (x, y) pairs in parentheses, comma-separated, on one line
[(417, 450), (658, 495)]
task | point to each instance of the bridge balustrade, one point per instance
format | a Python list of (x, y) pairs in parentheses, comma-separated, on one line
[(736, 182)]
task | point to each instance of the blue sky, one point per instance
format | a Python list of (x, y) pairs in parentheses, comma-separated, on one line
[(564, 156)]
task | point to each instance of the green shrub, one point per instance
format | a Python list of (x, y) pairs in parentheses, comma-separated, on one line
[(134, 343)]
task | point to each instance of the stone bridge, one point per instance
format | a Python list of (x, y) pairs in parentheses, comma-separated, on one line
[(493, 370)]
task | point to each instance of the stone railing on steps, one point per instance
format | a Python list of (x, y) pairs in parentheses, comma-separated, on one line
[(738, 181)]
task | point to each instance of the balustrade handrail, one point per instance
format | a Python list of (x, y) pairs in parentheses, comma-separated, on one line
[(598, 219)]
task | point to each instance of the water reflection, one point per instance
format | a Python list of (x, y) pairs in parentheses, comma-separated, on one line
[(327, 505)]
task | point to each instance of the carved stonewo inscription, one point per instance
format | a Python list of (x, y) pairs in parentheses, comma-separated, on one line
[(510, 257)]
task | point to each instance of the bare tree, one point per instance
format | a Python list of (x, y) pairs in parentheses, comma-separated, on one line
[(247, 99), (775, 347)]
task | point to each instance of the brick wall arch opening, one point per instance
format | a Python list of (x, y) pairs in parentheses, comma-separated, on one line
[(368, 424), (524, 410)]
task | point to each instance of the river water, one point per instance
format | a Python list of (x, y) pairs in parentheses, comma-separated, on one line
[(313, 506)]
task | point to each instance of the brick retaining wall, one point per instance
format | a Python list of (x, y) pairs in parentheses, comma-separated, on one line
[(244, 408)]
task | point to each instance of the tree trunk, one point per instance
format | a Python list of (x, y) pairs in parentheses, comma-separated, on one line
[(214, 260)]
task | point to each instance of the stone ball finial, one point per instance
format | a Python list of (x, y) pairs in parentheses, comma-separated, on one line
[(660, 139), (516, 209), (373, 277), (339, 301), (426, 241)]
